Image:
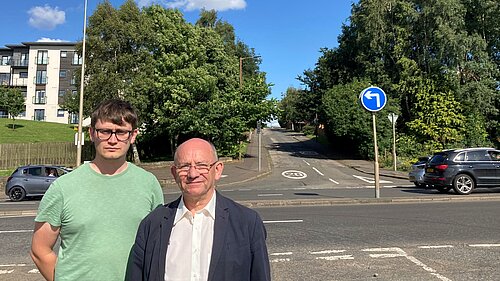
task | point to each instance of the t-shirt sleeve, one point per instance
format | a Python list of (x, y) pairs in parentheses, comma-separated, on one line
[(51, 206), (157, 194)]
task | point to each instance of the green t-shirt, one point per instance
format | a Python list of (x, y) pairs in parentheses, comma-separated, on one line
[(98, 216)]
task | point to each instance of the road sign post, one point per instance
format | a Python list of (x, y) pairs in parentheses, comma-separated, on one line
[(259, 133), (393, 117), (373, 99)]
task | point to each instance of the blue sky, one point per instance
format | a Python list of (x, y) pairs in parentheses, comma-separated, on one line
[(287, 34)]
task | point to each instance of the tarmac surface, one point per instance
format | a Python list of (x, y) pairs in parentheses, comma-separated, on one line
[(246, 169)]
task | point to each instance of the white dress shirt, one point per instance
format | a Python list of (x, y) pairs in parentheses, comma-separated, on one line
[(190, 245)]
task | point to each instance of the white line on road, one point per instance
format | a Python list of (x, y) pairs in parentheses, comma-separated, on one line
[(18, 203), (335, 258), (435, 247), (14, 231), (306, 162), (281, 254), (269, 194), (11, 265), (6, 271), (280, 260), (34, 270), (484, 245), (334, 181), (317, 171), (284, 221), (401, 253), (327, 252)]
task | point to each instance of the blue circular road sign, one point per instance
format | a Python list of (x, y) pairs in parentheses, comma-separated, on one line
[(373, 99)]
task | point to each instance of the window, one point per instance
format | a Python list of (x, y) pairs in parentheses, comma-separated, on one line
[(42, 57), (64, 54), (60, 113), (41, 77), (22, 114), (39, 97), (73, 80), (23, 74), (62, 73), (24, 94), (4, 79), (77, 59), (24, 60), (5, 60), (39, 115), (73, 118), (62, 93), (37, 171)]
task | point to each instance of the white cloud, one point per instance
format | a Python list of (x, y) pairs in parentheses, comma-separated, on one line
[(190, 5), (46, 17), (44, 39)]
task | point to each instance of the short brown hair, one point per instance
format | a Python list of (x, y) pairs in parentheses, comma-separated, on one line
[(115, 111)]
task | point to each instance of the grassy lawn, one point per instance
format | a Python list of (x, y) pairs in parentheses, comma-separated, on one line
[(35, 131)]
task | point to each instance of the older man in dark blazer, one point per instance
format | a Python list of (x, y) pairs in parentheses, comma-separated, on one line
[(202, 235)]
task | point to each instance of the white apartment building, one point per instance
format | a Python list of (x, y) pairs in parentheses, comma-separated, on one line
[(44, 72)]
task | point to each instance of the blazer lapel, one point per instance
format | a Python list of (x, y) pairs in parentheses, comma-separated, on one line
[(220, 229)]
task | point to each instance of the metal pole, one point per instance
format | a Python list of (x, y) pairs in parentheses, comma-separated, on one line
[(394, 142), (260, 150), (80, 112), (241, 72), (375, 164)]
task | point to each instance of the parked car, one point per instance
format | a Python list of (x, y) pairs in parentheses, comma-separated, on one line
[(32, 180), (463, 169), (416, 174)]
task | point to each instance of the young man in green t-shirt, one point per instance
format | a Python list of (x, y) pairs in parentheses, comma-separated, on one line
[(96, 209)]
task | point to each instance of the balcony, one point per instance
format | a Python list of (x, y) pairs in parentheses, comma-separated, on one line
[(20, 82), (39, 100), (19, 63)]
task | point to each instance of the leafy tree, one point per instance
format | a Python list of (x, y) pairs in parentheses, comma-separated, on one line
[(12, 100)]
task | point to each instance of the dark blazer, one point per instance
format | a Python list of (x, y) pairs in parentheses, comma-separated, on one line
[(239, 250)]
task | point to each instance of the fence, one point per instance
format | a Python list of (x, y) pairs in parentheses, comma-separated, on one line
[(13, 155)]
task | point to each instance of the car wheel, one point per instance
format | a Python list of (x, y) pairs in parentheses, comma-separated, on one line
[(463, 184), (420, 185), (443, 189), (17, 193)]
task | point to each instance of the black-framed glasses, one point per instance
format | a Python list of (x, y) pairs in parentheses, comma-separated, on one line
[(105, 134), (202, 168)]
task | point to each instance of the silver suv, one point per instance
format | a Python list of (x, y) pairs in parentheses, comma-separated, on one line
[(32, 180)]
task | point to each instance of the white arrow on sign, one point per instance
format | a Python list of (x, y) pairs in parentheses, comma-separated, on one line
[(369, 95), (370, 180)]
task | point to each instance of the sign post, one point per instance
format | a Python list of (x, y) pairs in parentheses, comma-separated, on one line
[(259, 133), (373, 99), (393, 117)]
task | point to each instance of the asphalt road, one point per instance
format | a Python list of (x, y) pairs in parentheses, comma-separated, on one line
[(415, 241)]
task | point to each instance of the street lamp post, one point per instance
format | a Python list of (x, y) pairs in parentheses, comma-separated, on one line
[(241, 67), (258, 122), (80, 110)]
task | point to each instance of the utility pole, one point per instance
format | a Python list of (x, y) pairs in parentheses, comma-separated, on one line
[(79, 138)]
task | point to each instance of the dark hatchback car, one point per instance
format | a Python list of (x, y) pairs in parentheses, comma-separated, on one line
[(32, 180), (463, 169)]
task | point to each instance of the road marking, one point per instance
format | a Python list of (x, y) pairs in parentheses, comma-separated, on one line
[(34, 270), (435, 247), (327, 252), (334, 181), (18, 203), (284, 221), (306, 162), (265, 195), (293, 174), (400, 253), (370, 180), (14, 231), (223, 176), (281, 254), (317, 171), (6, 271), (335, 258), (280, 260), (484, 245), (11, 265)]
